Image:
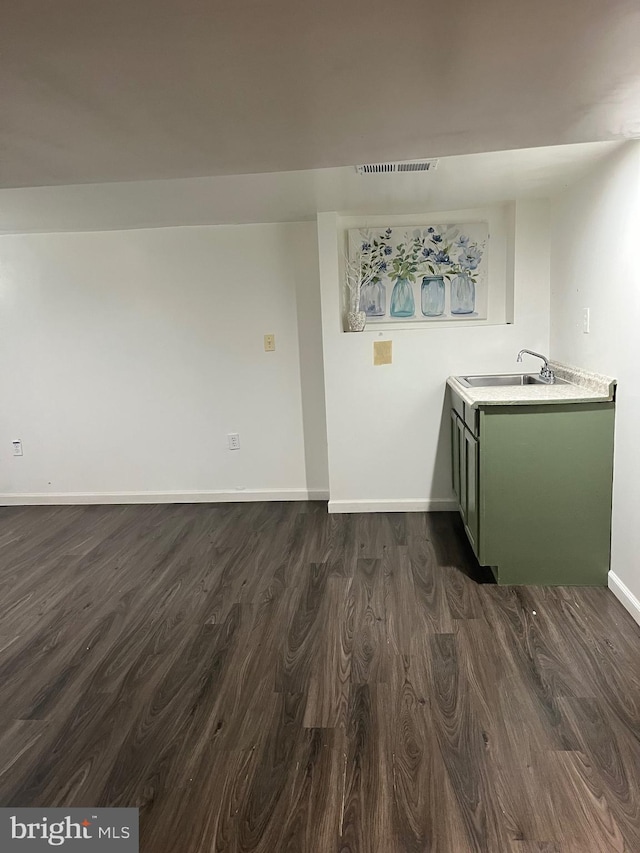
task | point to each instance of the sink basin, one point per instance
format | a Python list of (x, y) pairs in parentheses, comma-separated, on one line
[(505, 379)]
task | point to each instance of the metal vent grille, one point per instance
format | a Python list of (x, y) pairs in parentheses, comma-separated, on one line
[(380, 168)]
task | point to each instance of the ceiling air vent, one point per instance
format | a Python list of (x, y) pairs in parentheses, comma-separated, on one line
[(383, 168)]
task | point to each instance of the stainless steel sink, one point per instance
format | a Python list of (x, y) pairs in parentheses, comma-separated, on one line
[(505, 379)]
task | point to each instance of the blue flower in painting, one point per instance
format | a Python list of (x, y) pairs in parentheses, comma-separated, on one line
[(430, 230), (441, 258), (366, 247), (427, 252), (437, 238), (462, 242), (383, 266), (470, 258), (388, 250)]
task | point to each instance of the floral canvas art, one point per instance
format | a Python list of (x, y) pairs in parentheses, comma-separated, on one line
[(428, 273)]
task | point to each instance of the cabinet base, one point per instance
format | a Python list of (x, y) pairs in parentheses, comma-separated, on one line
[(539, 576)]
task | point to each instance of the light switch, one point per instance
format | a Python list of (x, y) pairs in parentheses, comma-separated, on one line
[(382, 352)]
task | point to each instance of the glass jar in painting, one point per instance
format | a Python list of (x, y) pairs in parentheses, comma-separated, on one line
[(432, 296), (402, 302), (463, 295), (373, 299)]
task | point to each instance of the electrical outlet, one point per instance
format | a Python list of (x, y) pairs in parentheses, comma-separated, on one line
[(586, 321), (17, 448), (269, 343), (234, 441)]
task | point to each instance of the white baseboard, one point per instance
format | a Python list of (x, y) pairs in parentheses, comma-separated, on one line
[(400, 505), (318, 495), (78, 498), (624, 596), (52, 498)]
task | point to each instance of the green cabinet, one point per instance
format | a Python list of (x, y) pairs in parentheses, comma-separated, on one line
[(533, 485)]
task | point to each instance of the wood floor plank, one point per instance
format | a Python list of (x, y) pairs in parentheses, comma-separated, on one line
[(528, 650), (575, 794), (339, 548), (463, 746), (18, 740), (433, 614), (304, 632), (512, 734), (314, 812), (615, 757), (399, 599), (366, 823), (426, 815), (370, 650), (330, 666), (266, 809)]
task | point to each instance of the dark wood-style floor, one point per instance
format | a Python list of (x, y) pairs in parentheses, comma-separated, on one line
[(266, 677)]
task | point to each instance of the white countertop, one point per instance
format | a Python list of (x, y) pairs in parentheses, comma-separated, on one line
[(584, 387)]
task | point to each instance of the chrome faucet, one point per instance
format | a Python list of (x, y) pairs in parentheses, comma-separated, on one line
[(546, 374)]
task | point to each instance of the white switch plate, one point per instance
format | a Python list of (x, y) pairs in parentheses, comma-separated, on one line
[(586, 321), (234, 441), (17, 448), (269, 343)]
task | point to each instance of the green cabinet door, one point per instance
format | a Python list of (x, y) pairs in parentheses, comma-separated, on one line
[(464, 471), (470, 451), (455, 455)]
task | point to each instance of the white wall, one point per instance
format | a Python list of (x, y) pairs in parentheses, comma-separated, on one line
[(388, 426), (127, 357), (595, 228)]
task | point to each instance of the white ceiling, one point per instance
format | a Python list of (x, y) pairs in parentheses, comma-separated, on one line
[(120, 90), (471, 180)]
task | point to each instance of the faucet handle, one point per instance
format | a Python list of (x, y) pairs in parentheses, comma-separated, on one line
[(547, 374)]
